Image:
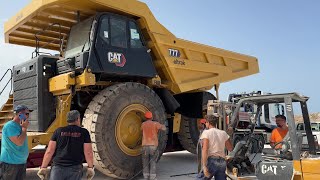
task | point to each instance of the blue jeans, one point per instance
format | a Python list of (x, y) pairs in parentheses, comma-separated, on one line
[(217, 169), (66, 173)]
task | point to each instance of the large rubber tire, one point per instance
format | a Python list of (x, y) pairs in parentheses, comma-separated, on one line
[(188, 134), (101, 119)]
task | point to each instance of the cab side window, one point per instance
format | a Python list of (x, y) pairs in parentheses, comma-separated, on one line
[(104, 30), (300, 127), (135, 39), (118, 33)]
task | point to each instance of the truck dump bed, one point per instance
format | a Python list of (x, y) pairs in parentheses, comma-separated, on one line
[(182, 65)]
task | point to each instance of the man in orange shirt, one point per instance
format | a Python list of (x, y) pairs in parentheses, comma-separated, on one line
[(280, 132), (149, 145)]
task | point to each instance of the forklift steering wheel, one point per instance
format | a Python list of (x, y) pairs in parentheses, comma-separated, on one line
[(284, 146)]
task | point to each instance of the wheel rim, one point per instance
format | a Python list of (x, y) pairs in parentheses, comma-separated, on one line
[(128, 133)]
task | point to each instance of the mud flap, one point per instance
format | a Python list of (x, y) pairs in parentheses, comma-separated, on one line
[(274, 170)]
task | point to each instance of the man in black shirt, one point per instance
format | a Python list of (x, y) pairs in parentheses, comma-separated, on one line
[(69, 146)]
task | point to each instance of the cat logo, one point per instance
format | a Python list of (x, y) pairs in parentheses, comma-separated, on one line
[(270, 168), (117, 58)]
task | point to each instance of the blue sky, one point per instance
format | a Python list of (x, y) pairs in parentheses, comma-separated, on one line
[(284, 36)]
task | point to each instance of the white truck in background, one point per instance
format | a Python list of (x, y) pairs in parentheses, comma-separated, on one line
[(315, 127)]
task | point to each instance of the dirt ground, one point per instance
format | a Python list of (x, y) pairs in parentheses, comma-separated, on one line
[(172, 166)]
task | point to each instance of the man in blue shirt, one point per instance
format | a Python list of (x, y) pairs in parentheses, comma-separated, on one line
[(14, 146)]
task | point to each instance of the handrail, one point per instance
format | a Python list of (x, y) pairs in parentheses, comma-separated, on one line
[(10, 80), (37, 52)]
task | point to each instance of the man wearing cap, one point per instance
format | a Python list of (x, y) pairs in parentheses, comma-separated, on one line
[(14, 145), (69, 147), (149, 145)]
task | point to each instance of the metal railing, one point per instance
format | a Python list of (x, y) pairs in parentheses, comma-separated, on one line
[(10, 80), (61, 38)]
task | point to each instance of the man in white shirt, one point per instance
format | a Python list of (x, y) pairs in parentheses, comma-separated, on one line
[(214, 142)]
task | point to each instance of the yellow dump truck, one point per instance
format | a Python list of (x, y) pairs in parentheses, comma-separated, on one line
[(115, 62)]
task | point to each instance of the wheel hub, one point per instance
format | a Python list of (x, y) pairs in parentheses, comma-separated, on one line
[(128, 133)]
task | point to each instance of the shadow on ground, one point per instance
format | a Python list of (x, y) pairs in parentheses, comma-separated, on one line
[(172, 166)]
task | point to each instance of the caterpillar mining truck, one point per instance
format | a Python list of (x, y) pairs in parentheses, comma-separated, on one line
[(115, 62)]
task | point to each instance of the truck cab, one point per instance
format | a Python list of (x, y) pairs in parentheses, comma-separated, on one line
[(109, 45)]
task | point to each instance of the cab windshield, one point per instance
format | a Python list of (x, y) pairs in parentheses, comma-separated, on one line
[(79, 38), (315, 126)]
